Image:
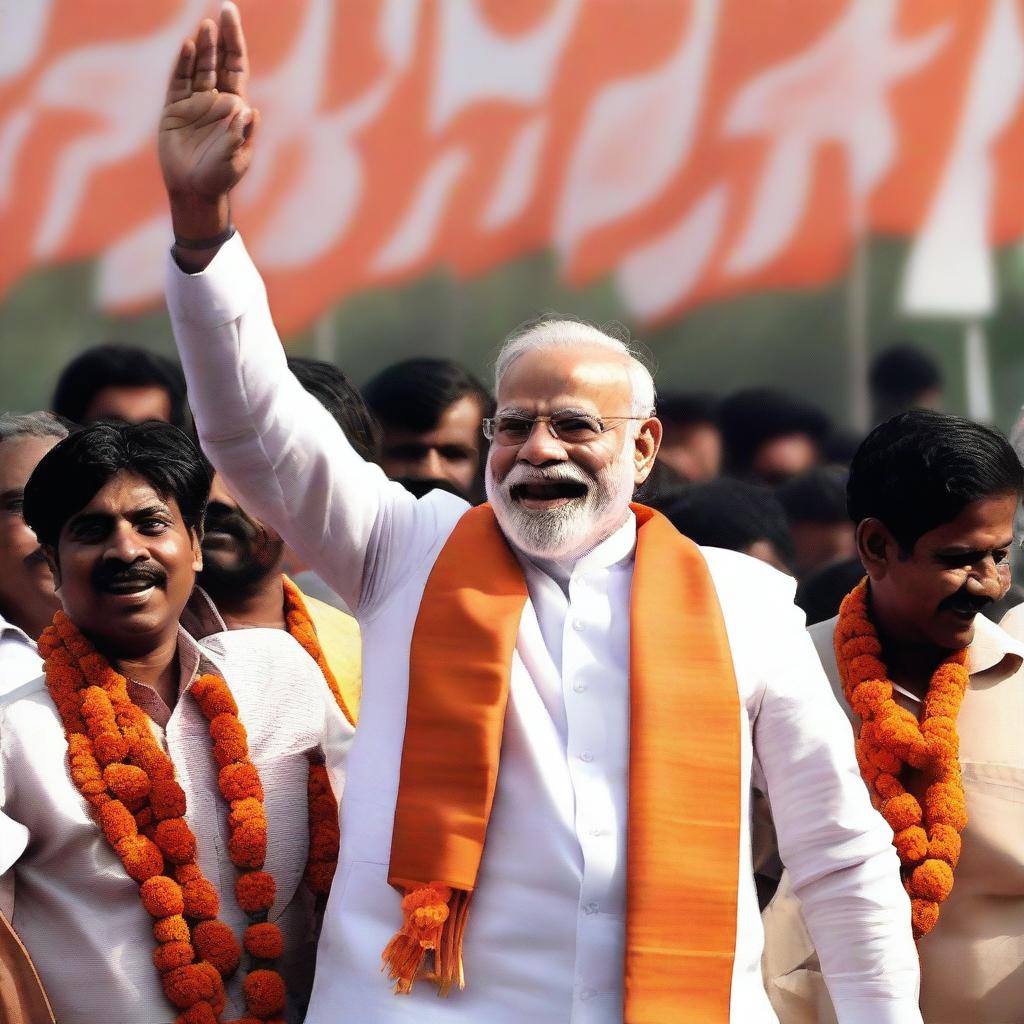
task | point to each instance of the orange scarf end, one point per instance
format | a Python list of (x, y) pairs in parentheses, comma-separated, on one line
[(433, 921)]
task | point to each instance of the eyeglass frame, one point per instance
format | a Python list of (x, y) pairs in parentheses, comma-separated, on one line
[(605, 423)]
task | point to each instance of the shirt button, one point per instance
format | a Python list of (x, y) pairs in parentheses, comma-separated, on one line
[(591, 908), (587, 993), (587, 756), (596, 832), (579, 687), (577, 624)]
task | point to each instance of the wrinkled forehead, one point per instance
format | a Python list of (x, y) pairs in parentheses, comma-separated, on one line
[(586, 377)]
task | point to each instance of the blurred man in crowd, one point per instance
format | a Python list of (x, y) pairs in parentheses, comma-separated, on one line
[(815, 506), (27, 597), (903, 376), (770, 436), (430, 411), (934, 692), (735, 515), (692, 447), (209, 736), (121, 382)]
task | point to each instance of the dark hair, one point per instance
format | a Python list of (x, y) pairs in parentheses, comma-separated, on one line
[(688, 408), (341, 398), (70, 474), (754, 416), (414, 394), (920, 469), (821, 594), (818, 495), (903, 372), (116, 365), (733, 514)]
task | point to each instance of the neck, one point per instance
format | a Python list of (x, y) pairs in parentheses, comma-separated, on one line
[(157, 668), (259, 606), (910, 664)]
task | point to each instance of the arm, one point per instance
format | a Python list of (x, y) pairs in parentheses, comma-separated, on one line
[(281, 453), (836, 847), (13, 840)]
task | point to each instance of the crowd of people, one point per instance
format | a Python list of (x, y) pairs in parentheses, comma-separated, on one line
[(319, 702)]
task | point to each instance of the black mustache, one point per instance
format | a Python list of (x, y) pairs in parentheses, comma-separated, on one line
[(38, 557), (960, 602), (108, 574)]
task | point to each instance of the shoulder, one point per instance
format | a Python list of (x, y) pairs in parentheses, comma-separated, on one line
[(1013, 622), (32, 690), (28, 718), (744, 581)]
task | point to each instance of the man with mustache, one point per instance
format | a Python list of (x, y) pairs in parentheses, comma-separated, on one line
[(565, 702), (165, 785), (242, 573), (933, 498), (27, 599)]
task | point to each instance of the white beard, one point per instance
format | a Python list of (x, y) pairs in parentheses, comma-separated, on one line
[(574, 528)]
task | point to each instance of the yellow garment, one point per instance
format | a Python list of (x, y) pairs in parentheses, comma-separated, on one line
[(339, 638)]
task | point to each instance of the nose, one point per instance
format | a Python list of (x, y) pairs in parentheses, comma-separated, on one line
[(431, 465), (542, 446), (124, 544), (989, 579)]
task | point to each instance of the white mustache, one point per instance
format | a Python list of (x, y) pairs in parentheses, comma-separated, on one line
[(522, 474)]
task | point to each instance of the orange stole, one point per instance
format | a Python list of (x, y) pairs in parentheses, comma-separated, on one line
[(684, 779)]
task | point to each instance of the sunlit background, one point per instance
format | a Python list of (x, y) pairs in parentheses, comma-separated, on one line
[(764, 192)]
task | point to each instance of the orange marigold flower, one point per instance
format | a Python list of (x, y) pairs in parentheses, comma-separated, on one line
[(885, 761), (944, 844), (240, 781), (167, 799), (932, 880), (923, 915), (201, 899), (247, 845), (213, 696), (324, 842), (117, 822), (188, 985), (127, 782), (324, 807), (162, 896), (944, 803), (264, 941), (151, 759), (175, 838), (911, 844), (264, 992), (888, 786), (217, 944), (144, 821), (255, 891), (246, 810), (863, 667), (141, 858), (200, 1013), (169, 955), (902, 811), (172, 929), (318, 877), (229, 738), (110, 747)]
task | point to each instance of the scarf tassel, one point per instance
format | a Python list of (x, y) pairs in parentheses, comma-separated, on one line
[(433, 921)]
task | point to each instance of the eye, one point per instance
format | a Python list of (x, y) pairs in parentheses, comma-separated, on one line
[(577, 428), (152, 525), (513, 429), (15, 506), (1000, 556)]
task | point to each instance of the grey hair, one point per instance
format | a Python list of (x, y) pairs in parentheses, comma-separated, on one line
[(563, 332), (14, 425)]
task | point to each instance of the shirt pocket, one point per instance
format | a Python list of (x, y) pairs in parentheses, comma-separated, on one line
[(995, 825), (285, 780)]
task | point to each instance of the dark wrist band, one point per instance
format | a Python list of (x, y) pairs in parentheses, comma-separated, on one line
[(197, 244)]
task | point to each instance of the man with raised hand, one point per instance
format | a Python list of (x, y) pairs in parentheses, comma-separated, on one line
[(565, 702)]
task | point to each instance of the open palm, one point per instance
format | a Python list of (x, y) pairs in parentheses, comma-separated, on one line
[(207, 125)]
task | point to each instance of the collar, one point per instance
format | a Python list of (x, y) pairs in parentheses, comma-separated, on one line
[(9, 631), (619, 546)]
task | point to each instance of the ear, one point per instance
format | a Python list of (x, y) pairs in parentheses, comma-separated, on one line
[(50, 553), (645, 449), (876, 547), (197, 550)]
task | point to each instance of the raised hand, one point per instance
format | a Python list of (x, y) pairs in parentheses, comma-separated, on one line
[(207, 126)]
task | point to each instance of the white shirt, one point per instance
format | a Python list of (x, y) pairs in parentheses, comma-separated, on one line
[(545, 938), (74, 906), (19, 661)]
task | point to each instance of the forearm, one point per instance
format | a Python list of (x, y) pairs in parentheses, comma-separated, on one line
[(196, 222)]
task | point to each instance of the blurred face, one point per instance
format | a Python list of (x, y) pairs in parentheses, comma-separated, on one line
[(239, 552), (817, 544), (557, 500), (27, 597), (931, 597), (451, 451), (765, 551), (125, 567), (133, 405), (784, 457), (693, 452)]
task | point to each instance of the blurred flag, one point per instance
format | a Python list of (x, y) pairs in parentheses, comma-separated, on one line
[(688, 150)]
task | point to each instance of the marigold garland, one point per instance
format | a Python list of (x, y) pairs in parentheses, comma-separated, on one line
[(890, 738)]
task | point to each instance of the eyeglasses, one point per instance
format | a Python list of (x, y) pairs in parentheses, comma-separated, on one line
[(568, 427)]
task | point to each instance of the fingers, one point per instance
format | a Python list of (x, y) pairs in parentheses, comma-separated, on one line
[(204, 76), (180, 85), (233, 63)]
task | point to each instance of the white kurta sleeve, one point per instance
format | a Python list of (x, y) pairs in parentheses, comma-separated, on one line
[(13, 840), (837, 848), (281, 453)]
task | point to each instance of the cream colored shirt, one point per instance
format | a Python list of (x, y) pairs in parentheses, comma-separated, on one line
[(972, 963), (75, 908)]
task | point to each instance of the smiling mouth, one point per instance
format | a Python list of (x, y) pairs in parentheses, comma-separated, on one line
[(548, 493)]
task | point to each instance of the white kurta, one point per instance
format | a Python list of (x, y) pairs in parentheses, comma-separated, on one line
[(545, 938)]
